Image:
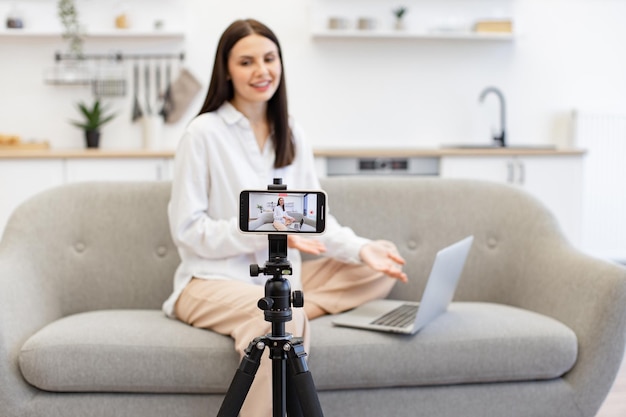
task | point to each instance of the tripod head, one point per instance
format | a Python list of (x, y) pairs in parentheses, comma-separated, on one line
[(278, 298)]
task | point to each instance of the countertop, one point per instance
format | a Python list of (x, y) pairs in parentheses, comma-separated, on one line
[(445, 151), (7, 153)]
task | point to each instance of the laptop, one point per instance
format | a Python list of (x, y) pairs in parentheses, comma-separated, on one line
[(409, 317)]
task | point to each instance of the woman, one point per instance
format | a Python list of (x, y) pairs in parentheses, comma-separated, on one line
[(281, 219), (242, 139)]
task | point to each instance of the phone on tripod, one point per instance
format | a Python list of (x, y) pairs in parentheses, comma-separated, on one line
[(282, 211), (278, 212)]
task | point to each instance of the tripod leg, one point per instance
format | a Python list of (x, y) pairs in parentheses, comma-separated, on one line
[(303, 381), (279, 386), (293, 403), (242, 381)]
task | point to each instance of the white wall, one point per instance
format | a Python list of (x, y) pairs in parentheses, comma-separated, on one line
[(348, 93)]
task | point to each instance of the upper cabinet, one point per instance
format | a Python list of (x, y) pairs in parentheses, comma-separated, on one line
[(480, 20)]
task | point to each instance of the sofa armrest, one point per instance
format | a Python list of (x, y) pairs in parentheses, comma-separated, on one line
[(589, 296), (27, 303), (261, 220)]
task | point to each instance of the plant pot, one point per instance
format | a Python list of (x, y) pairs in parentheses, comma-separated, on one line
[(92, 138)]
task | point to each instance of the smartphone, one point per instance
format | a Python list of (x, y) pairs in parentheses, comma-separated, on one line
[(282, 212)]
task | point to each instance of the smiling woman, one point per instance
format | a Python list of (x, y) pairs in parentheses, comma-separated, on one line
[(242, 139), (255, 69), (222, 86)]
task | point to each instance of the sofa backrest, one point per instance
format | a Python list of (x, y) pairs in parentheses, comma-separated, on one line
[(424, 214), (104, 244), (107, 245)]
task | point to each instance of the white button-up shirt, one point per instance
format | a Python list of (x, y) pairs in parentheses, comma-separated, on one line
[(217, 157)]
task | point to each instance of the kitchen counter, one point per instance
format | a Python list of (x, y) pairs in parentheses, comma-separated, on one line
[(7, 153), (445, 151)]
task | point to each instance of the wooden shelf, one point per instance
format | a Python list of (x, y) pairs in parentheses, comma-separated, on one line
[(109, 34), (399, 34)]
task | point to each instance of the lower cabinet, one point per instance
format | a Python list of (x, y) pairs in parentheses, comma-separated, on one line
[(555, 180), (23, 178), (117, 169)]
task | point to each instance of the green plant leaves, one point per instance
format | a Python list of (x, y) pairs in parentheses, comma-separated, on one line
[(94, 116)]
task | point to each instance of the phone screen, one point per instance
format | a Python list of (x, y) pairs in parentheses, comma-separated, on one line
[(283, 212)]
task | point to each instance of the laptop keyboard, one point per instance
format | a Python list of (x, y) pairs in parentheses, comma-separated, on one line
[(400, 316)]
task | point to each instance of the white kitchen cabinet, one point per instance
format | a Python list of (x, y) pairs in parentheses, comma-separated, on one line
[(555, 180), (321, 166), (23, 178), (117, 169)]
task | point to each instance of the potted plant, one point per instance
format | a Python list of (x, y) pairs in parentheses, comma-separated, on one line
[(399, 13), (94, 117)]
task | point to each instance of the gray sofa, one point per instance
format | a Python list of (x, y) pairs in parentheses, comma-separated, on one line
[(536, 328), (265, 222)]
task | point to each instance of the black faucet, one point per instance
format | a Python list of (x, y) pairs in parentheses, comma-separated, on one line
[(500, 139)]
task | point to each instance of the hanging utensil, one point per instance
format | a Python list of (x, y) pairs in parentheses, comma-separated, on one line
[(137, 113), (167, 102), (147, 85), (158, 91)]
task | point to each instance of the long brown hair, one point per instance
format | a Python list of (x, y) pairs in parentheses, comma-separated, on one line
[(221, 87)]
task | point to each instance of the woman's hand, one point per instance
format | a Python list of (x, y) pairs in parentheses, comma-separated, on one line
[(383, 256), (312, 246)]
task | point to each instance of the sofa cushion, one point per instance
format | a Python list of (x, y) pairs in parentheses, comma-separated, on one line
[(470, 343), (265, 222), (127, 351), (142, 351)]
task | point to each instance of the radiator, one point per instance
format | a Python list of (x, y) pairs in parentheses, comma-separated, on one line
[(603, 135)]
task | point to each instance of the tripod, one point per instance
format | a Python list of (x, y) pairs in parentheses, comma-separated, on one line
[(293, 389)]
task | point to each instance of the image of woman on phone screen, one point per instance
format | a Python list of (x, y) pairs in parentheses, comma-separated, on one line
[(282, 220)]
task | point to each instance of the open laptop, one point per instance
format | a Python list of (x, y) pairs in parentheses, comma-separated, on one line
[(406, 316)]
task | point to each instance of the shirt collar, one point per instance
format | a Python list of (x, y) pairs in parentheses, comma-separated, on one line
[(230, 114)]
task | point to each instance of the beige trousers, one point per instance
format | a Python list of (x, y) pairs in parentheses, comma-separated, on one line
[(230, 308)]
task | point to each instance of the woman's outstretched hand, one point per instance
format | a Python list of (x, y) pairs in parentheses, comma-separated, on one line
[(312, 246), (383, 256)]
